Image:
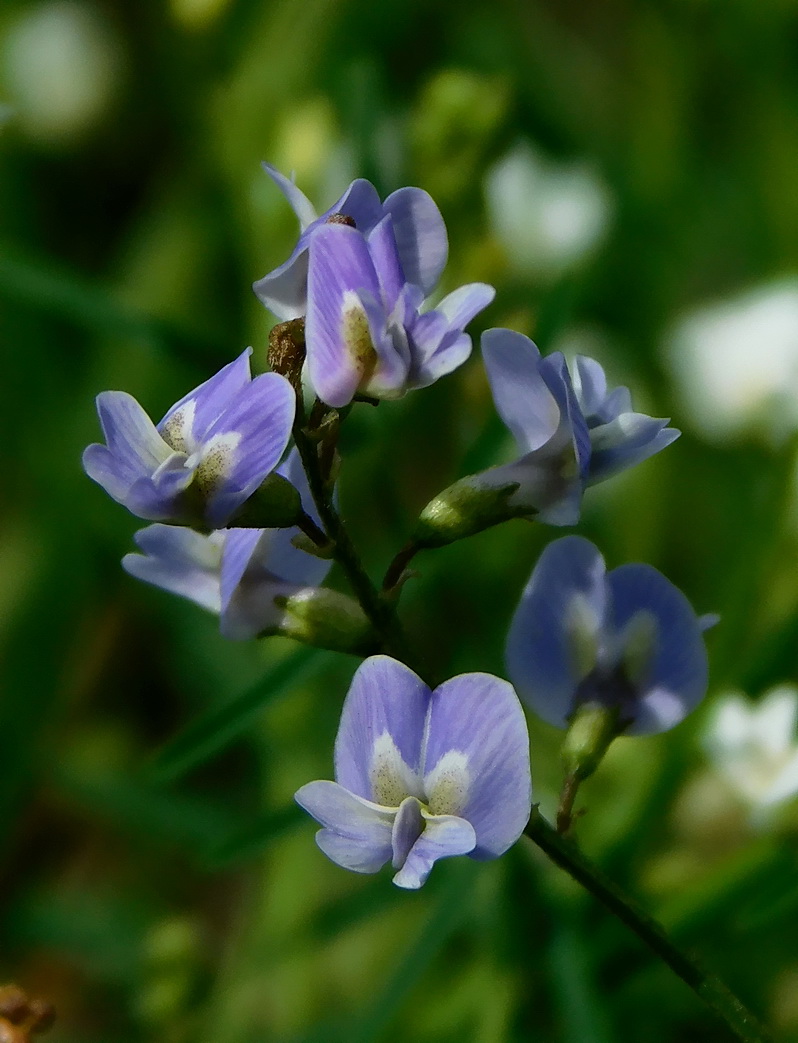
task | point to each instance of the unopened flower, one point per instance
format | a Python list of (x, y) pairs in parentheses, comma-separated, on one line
[(421, 774), (208, 455), (418, 228), (627, 641), (754, 746)]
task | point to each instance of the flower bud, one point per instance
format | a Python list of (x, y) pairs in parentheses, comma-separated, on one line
[(287, 350), (326, 619), (465, 508)]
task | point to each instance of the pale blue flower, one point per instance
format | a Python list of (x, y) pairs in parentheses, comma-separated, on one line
[(421, 774), (234, 573), (360, 274), (626, 640), (419, 232), (365, 331), (569, 434), (205, 458)]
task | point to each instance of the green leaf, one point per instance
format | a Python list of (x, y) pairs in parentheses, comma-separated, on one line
[(221, 725)]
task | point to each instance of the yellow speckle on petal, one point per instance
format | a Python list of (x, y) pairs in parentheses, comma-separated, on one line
[(356, 336), (448, 784)]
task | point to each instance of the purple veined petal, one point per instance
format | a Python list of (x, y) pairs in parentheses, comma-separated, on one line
[(134, 447), (573, 425), (249, 586), (407, 828), (385, 257), (443, 837), (590, 384), (385, 699), (440, 345), (476, 759), (179, 560), (299, 202), (389, 377), (539, 653), (341, 353), (420, 236), (450, 354), (678, 675), (522, 398), (361, 202), (277, 552), (260, 417), (239, 546), (284, 291), (626, 441), (252, 610), (463, 304), (618, 401), (209, 401), (357, 833)]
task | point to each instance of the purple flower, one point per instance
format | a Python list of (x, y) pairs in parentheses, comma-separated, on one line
[(360, 273), (365, 331), (626, 640), (418, 229), (235, 573), (568, 436), (206, 457), (421, 774)]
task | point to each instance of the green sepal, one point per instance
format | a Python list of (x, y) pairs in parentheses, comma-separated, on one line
[(326, 619), (464, 509), (275, 504), (590, 732)]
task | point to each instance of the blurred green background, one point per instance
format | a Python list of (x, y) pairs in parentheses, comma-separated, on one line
[(625, 174)]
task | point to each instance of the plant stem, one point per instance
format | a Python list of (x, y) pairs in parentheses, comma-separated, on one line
[(397, 567), (379, 612), (710, 988)]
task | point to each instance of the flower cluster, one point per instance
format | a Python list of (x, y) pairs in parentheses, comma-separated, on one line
[(248, 529)]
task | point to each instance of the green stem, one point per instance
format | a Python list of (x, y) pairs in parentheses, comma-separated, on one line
[(710, 988), (379, 612), (397, 567)]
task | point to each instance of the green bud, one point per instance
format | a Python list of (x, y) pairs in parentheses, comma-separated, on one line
[(275, 504), (326, 619), (464, 509), (592, 729)]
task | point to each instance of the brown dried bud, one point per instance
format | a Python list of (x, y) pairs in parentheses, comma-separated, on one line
[(287, 349), (42, 1016), (13, 1004), (341, 219), (11, 1033)]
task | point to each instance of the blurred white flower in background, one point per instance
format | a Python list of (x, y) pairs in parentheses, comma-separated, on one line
[(754, 748), (60, 66), (547, 216), (735, 363)]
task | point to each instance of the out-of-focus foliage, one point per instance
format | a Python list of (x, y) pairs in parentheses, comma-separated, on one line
[(619, 171)]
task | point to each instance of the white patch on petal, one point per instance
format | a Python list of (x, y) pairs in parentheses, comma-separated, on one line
[(637, 644), (356, 335), (583, 627), (392, 780), (216, 461), (177, 430), (448, 784)]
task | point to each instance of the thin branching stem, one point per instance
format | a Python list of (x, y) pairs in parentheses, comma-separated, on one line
[(565, 853)]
